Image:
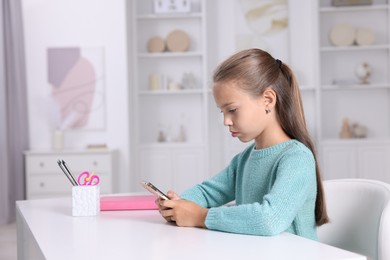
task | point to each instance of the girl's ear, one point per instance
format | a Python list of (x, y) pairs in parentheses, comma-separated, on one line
[(269, 97)]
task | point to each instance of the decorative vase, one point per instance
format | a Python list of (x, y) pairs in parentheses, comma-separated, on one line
[(58, 140)]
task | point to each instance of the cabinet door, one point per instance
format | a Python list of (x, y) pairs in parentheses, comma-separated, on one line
[(338, 161), (172, 169), (189, 169), (156, 167), (374, 162)]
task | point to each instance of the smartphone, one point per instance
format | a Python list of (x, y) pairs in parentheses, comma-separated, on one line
[(153, 189)]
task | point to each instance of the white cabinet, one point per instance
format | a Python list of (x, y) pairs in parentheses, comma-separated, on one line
[(175, 168), (353, 159), (373, 161), (170, 95), (45, 179), (339, 161)]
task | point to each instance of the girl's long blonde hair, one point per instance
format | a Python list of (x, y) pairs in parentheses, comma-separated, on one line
[(256, 70)]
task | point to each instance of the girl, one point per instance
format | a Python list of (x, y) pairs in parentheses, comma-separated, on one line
[(275, 181)]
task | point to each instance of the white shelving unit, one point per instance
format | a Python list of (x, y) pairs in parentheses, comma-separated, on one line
[(177, 162), (365, 104)]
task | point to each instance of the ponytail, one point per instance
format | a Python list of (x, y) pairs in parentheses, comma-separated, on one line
[(292, 120)]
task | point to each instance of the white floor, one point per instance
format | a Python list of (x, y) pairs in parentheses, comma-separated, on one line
[(8, 242)]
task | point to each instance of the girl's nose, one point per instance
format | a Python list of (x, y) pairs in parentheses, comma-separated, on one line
[(227, 121)]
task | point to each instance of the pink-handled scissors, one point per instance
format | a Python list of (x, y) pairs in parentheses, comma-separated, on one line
[(88, 179)]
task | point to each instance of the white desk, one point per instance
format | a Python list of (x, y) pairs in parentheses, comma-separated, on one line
[(46, 230)]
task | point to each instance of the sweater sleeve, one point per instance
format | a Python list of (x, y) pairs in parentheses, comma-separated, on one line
[(216, 191), (294, 184)]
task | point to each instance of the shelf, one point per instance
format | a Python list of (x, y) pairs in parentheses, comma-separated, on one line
[(335, 9), (147, 55), (170, 145), (355, 48), (356, 87), (353, 141), (170, 92), (169, 16), (68, 151)]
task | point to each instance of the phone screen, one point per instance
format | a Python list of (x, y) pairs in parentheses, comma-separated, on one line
[(153, 189)]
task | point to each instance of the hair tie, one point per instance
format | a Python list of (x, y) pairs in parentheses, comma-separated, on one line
[(279, 62)]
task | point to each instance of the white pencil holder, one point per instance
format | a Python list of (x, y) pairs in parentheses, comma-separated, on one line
[(85, 200)]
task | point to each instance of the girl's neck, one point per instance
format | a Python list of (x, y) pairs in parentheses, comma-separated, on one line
[(271, 137)]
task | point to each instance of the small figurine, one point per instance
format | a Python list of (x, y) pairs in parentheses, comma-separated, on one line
[(363, 72), (345, 132)]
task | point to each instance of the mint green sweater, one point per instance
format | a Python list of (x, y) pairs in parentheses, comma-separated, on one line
[(274, 190)]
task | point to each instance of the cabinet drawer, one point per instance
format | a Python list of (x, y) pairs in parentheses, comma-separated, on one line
[(48, 184), (59, 184), (76, 163)]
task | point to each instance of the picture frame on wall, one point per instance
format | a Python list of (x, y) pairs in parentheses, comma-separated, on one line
[(76, 78)]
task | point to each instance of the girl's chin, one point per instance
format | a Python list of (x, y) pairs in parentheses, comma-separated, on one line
[(243, 139)]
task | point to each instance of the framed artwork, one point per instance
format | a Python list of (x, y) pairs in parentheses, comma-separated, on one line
[(76, 78), (263, 24)]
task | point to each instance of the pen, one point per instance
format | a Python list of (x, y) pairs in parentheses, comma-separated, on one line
[(67, 174), (70, 173)]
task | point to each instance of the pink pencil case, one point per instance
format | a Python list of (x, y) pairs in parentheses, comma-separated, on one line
[(136, 202)]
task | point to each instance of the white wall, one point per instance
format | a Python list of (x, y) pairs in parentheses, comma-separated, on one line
[(87, 23)]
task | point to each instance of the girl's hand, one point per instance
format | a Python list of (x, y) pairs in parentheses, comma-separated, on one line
[(172, 196), (185, 213)]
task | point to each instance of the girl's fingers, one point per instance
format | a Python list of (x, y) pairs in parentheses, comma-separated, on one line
[(168, 213), (159, 204), (166, 207), (173, 195), (167, 203)]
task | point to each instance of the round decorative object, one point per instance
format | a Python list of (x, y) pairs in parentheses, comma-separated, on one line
[(364, 36), (178, 41), (156, 44), (342, 35)]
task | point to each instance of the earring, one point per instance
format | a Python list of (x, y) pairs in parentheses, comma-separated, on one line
[(267, 110)]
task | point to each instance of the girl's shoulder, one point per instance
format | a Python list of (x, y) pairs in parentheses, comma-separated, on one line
[(297, 150), (296, 146)]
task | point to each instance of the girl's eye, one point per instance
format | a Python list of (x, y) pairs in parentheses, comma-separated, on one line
[(230, 110)]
